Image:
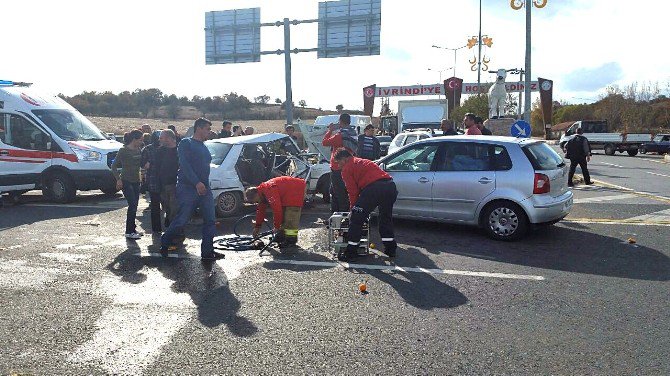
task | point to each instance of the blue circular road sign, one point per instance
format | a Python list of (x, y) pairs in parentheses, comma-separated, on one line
[(520, 128)]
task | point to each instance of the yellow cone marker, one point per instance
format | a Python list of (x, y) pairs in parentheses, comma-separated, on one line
[(362, 287), (372, 246), (632, 240)]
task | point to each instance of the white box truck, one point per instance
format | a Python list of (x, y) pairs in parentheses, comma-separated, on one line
[(47, 144)]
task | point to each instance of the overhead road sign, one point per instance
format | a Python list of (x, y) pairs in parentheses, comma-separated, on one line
[(233, 36), (349, 28)]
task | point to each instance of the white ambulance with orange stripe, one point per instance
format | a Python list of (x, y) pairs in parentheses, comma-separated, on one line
[(47, 144)]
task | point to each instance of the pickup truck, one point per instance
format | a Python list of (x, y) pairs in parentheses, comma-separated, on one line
[(660, 145), (597, 132)]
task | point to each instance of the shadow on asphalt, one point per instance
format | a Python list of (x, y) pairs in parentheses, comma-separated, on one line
[(568, 248), (15, 215), (205, 282), (421, 290)]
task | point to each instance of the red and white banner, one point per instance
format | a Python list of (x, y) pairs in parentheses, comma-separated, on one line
[(438, 89), (511, 87), (397, 91)]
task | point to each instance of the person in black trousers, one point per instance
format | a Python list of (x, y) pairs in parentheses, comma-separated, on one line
[(149, 164), (578, 151)]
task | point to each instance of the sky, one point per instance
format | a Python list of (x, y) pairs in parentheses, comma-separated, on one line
[(71, 46)]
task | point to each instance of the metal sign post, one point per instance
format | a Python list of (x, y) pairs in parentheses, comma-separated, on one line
[(346, 28)]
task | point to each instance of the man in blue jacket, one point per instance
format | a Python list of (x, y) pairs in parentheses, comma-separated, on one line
[(193, 190)]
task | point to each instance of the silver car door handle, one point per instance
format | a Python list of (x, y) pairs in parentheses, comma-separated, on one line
[(485, 180), (423, 180)]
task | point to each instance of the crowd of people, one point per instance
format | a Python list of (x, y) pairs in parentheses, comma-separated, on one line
[(175, 173)]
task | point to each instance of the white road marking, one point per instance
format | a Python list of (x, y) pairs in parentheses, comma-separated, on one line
[(67, 257), (79, 206), (604, 198), (663, 215), (64, 246), (144, 317), (409, 269), (653, 173), (653, 160), (615, 222), (611, 164), (141, 320)]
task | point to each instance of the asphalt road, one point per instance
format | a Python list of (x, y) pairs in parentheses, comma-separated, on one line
[(586, 296)]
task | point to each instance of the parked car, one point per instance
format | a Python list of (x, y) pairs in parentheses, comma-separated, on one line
[(246, 161), (502, 184), (407, 138), (384, 142), (660, 145)]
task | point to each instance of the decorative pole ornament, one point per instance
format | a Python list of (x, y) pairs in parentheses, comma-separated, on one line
[(475, 63), (516, 5)]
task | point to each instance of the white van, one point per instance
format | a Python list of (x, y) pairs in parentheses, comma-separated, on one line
[(47, 144)]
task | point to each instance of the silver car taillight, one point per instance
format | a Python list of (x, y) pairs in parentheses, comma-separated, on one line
[(541, 184)]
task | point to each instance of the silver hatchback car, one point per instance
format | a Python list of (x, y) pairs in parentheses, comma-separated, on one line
[(502, 184)]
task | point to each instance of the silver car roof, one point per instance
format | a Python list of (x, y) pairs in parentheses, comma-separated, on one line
[(489, 139)]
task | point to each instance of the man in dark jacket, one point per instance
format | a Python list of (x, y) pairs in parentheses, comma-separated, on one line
[(447, 128), (480, 124), (149, 164), (578, 151), (368, 145), (167, 164), (226, 130)]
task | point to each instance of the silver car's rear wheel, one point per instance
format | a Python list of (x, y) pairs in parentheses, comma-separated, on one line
[(505, 221)]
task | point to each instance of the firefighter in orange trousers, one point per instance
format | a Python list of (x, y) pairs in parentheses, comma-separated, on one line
[(286, 196)]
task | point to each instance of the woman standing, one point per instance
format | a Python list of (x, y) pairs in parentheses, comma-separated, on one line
[(128, 180)]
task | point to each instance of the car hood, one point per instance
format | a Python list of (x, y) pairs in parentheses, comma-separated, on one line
[(103, 146)]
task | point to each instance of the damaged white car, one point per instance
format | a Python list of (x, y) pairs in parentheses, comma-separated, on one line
[(246, 161)]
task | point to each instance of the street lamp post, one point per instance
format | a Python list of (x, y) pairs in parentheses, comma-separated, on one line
[(516, 5)]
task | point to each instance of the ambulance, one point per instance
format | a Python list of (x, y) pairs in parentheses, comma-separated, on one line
[(47, 144)]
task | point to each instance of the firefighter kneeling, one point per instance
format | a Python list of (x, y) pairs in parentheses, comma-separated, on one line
[(285, 195), (368, 187)]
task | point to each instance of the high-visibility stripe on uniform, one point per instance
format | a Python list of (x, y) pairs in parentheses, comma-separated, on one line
[(353, 243), (291, 232), (388, 239)]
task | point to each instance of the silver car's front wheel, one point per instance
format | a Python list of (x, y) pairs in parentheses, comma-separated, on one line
[(505, 221)]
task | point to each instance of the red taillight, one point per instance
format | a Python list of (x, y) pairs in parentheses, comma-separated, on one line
[(541, 184)]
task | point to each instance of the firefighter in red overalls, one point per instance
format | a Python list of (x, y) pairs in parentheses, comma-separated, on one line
[(285, 195), (369, 187)]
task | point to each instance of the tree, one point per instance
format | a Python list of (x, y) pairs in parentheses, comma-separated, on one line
[(302, 103), (339, 108), (278, 101), (476, 104), (262, 99)]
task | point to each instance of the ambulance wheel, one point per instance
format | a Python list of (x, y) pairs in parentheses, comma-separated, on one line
[(228, 204), (323, 187), (59, 188)]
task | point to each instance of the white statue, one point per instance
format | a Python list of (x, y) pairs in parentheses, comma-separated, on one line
[(497, 95)]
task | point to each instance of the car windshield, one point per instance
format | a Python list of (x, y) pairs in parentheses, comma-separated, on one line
[(542, 156), (70, 125), (384, 138), (218, 151)]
